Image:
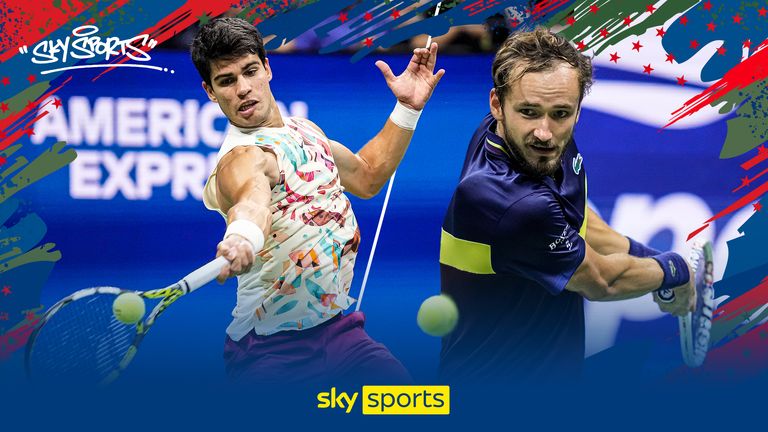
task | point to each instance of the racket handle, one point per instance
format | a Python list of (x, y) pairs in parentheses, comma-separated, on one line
[(204, 274)]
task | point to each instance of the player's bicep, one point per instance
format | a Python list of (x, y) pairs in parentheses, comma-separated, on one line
[(245, 174)]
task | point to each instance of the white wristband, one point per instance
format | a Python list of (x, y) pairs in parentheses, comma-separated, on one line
[(248, 230), (405, 117)]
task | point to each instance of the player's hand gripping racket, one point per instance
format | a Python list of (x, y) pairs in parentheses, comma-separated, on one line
[(695, 326), (80, 340)]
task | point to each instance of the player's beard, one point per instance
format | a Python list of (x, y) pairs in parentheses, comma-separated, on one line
[(534, 168)]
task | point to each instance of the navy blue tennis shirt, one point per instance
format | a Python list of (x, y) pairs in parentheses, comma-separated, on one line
[(510, 243)]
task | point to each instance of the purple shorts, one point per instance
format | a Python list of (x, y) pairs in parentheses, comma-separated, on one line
[(336, 350)]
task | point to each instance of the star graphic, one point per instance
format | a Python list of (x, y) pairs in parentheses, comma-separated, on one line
[(694, 44), (707, 5), (6, 81), (570, 20), (581, 46), (683, 20), (514, 23), (368, 42), (650, 8), (670, 58), (647, 69), (747, 43), (721, 50), (615, 57), (343, 17), (745, 181), (660, 32), (762, 11), (3, 106), (3, 160), (57, 103), (604, 33), (30, 316), (636, 46), (204, 18), (29, 132), (736, 19), (367, 16), (681, 80), (711, 26), (6, 290), (30, 104), (395, 14), (762, 151), (757, 206), (627, 20), (31, 78), (594, 9)]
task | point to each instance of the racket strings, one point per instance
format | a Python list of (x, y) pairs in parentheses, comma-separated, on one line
[(82, 341)]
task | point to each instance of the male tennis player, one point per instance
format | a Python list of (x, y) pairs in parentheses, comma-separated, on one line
[(291, 234), (520, 249)]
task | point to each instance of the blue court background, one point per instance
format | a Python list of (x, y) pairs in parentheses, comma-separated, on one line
[(145, 244)]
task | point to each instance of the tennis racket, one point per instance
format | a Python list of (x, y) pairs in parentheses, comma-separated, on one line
[(695, 326), (79, 339)]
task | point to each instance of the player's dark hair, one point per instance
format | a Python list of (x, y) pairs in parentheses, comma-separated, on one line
[(226, 38), (536, 51)]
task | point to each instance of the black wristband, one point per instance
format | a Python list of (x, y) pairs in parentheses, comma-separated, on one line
[(675, 269), (638, 249)]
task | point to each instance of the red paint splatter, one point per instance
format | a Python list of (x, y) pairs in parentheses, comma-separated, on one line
[(15, 339)]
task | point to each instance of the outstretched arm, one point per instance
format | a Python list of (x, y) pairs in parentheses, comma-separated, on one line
[(364, 173)]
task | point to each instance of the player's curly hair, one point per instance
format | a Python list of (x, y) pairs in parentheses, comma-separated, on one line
[(225, 38), (536, 51)]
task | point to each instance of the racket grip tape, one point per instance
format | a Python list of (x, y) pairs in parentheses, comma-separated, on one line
[(204, 274)]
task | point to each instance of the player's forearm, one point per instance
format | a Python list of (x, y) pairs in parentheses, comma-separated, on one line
[(254, 212), (629, 277), (382, 155)]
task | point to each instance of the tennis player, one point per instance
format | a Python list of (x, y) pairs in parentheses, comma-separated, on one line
[(291, 234), (520, 249)]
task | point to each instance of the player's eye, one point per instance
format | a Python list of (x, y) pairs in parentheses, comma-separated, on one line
[(226, 81), (526, 112), (561, 114), (250, 72)]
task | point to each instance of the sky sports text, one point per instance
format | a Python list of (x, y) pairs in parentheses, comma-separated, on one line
[(390, 400)]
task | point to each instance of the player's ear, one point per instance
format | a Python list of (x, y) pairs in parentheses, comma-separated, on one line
[(209, 91), (268, 69), (495, 104)]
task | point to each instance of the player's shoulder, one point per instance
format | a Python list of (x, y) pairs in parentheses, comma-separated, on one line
[(307, 123)]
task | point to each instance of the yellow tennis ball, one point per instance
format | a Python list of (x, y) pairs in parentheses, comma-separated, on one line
[(128, 308), (437, 315)]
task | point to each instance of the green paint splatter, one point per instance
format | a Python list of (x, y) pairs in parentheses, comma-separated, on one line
[(48, 162), (749, 128)]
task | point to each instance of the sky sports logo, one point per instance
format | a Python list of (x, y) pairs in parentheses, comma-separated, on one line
[(390, 400)]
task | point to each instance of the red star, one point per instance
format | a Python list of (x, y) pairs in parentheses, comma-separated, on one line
[(627, 21), (721, 50), (580, 46), (6, 290), (683, 20), (3, 106), (3, 160), (660, 32), (745, 181), (594, 9), (647, 69), (762, 11), (604, 33), (747, 43), (57, 103), (29, 132), (30, 104), (368, 42), (762, 150), (615, 57), (514, 23), (757, 206), (681, 80), (367, 16), (30, 316), (694, 44), (650, 8), (711, 26), (395, 14), (31, 78), (707, 5), (670, 58), (6, 80), (570, 20), (636, 46), (736, 19), (343, 17)]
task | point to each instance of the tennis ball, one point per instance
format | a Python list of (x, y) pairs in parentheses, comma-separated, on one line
[(437, 315), (128, 308)]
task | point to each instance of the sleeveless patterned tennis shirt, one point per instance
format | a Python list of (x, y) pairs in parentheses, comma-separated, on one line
[(302, 276)]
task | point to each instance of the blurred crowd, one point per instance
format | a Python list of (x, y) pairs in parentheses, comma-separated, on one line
[(465, 39)]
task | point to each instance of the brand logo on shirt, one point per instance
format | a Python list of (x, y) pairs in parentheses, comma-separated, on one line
[(577, 164), (562, 240)]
